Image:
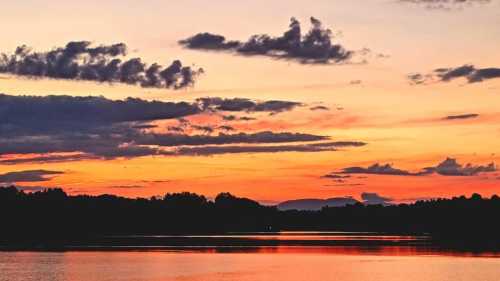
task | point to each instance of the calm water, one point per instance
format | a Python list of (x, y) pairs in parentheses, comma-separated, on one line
[(406, 262)]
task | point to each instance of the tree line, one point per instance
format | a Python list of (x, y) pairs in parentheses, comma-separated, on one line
[(54, 215)]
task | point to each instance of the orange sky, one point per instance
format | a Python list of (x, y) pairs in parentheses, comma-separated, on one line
[(401, 123)]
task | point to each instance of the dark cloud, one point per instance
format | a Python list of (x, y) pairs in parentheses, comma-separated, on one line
[(247, 105), (214, 150), (222, 139), (28, 176), (64, 128), (41, 114), (80, 61), (246, 118), (210, 42), (226, 128), (449, 167), (176, 129), (236, 118), (469, 72), (461, 116), (349, 143), (46, 159), (418, 78), (377, 169), (337, 177), (144, 126), (375, 199), (229, 117), (314, 47), (207, 129)]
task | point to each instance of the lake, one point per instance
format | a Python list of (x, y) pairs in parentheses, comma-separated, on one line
[(297, 256)]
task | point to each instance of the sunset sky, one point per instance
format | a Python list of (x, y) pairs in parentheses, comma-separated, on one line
[(421, 85)]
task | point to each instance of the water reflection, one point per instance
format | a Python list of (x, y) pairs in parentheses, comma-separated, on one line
[(289, 256), (258, 264)]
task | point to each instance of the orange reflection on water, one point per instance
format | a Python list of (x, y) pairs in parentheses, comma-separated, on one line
[(279, 263)]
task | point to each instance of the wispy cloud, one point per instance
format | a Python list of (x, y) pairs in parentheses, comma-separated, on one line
[(445, 4), (471, 73), (461, 116), (213, 150), (65, 128), (28, 176)]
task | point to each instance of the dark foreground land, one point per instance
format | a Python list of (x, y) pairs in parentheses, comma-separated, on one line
[(52, 219)]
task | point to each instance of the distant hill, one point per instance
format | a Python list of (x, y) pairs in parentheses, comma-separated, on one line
[(316, 204)]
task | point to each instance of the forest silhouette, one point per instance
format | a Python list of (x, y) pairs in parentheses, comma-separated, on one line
[(52, 216)]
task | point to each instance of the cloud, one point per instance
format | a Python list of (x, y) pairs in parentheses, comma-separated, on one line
[(207, 129), (417, 78), (31, 188), (319, 107), (132, 186), (51, 158), (469, 72), (348, 143), (445, 4), (377, 169), (375, 199), (28, 176), (226, 128), (337, 177), (246, 105), (214, 150), (246, 118), (236, 118), (314, 47), (222, 139), (461, 116), (64, 128), (448, 167), (210, 42), (145, 126), (40, 114), (78, 60)]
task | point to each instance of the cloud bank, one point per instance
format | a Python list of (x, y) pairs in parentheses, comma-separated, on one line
[(65, 128)]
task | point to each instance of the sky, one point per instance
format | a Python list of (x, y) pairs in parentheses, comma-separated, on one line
[(413, 88)]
